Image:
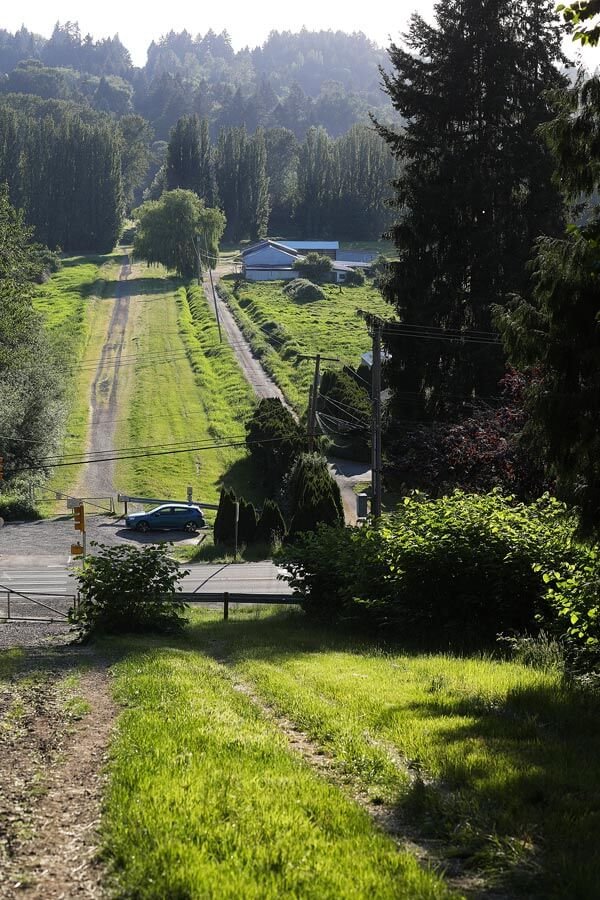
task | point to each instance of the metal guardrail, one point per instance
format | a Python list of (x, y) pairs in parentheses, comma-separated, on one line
[(226, 598), (18, 604), (15, 600)]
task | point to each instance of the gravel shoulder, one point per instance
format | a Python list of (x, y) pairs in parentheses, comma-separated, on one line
[(57, 716)]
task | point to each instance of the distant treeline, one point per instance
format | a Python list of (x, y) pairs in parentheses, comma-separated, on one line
[(75, 172), (294, 80), (269, 182)]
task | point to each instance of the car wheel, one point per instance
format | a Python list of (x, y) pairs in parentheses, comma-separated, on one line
[(190, 527), (143, 527)]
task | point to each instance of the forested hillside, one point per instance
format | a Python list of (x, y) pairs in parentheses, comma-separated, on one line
[(294, 80), (279, 137)]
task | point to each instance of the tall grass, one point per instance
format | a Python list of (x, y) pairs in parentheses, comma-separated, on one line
[(207, 800), (75, 312), (496, 758), (186, 390)]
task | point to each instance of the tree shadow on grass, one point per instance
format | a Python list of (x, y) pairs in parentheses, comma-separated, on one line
[(247, 481), (517, 788), (148, 287)]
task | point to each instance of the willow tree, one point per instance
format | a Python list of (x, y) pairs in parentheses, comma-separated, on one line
[(179, 232)]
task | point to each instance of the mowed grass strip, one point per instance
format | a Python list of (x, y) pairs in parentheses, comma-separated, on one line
[(281, 330), (186, 393), (76, 305), (207, 800), (498, 759)]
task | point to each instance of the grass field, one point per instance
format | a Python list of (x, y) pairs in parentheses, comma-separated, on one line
[(75, 314), (186, 392), (280, 330), (207, 800), (495, 760)]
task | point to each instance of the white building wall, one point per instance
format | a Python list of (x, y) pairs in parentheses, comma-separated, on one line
[(270, 274)]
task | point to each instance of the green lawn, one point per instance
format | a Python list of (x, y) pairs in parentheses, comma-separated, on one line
[(496, 760), (207, 800), (185, 391), (280, 330), (75, 313)]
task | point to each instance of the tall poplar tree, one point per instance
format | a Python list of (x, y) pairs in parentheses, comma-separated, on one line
[(475, 189), (189, 159)]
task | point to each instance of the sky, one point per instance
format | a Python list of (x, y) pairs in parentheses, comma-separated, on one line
[(138, 23)]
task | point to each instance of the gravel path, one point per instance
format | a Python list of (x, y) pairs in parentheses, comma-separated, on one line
[(98, 480)]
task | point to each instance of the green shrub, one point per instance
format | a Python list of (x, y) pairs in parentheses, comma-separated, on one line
[(302, 289), (573, 592), (355, 278), (125, 589), (224, 527), (271, 526), (459, 567), (314, 266), (274, 440), (14, 508), (313, 494)]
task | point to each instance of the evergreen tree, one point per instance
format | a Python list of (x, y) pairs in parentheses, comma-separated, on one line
[(555, 330), (246, 523), (315, 496), (189, 159), (271, 525), (224, 527), (474, 191)]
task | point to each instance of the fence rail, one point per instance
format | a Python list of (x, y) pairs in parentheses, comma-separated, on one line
[(20, 606)]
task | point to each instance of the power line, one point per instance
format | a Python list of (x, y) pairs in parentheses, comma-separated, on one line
[(197, 449)]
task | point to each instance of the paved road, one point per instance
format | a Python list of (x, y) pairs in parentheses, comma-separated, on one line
[(53, 537), (52, 576)]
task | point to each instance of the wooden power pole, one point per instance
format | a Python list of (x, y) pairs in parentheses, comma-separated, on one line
[(376, 482), (313, 396)]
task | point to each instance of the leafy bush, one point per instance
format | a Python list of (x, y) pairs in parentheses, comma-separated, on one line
[(314, 266), (355, 278), (125, 589), (574, 596), (303, 289), (14, 508), (271, 526), (462, 566), (314, 495)]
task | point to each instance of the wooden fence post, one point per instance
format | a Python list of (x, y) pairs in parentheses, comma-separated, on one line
[(225, 606)]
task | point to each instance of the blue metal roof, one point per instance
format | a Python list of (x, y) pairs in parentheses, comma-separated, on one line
[(310, 245)]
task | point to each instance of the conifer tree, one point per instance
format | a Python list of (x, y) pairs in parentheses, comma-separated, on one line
[(475, 189)]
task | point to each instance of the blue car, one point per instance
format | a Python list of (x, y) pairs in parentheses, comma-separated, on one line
[(177, 516)]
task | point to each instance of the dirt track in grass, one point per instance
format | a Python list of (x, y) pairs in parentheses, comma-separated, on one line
[(53, 741)]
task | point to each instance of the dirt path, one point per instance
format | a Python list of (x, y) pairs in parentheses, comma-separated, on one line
[(97, 480), (261, 383), (51, 778)]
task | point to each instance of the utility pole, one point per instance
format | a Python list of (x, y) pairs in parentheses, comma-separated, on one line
[(212, 286), (376, 422), (313, 396)]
